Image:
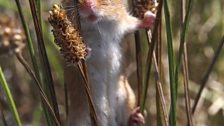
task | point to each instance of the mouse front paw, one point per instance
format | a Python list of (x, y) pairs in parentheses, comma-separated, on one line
[(136, 117), (148, 20)]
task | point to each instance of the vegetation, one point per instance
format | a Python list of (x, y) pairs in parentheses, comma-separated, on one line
[(179, 76)]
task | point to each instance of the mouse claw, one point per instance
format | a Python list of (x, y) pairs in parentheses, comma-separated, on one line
[(148, 20), (136, 117)]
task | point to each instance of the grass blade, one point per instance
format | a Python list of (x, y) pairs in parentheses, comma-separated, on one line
[(149, 57), (186, 87), (161, 104), (208, 72), (185, 70), (45, 63), (162, 117), (9, 98), (47, 114), (66, 100), (32, 54), (173, 89), (29, 40), (139, 65), (182, 40), (38, 3), (82, 68), (42, 93)]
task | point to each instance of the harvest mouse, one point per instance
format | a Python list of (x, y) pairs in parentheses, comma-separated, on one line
[(103, 24)]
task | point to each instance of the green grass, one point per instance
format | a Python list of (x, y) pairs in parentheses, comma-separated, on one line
[(9, 97)]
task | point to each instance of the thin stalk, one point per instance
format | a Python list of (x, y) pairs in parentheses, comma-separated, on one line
[(161, 98), (139, 65), (42, 94), (29, 40), (82, 69), (185, 72), (45, 63), (173, 89), (208, 72), (160, 115), (38, 4), (149, 57), (159, 47), (186, 87), (31, 52), (9, 98), (182, 40), (66, 100)]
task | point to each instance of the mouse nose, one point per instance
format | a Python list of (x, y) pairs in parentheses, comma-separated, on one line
[(87, 3), (87, 6)]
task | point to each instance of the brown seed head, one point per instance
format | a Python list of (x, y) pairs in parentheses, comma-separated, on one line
[(11, 36), (67, 36), (141, 6)]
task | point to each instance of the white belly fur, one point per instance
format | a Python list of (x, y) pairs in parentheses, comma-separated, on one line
[(104, 72)]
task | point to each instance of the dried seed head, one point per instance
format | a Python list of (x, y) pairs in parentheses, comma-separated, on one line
[(67, 36), (141, 6), (11, 36)]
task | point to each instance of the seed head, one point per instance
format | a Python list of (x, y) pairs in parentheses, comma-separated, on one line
[(67, 36), (141, 6), (11, 36)]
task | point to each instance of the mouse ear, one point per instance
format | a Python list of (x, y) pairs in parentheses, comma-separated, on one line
[(148, 20)]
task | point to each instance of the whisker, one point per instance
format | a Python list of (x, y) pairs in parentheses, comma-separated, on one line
[(70, 9), (70, 6), (73, 6), (74, 15)]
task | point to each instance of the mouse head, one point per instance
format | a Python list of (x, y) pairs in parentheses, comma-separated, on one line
[(97, 10), (112, 11)]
